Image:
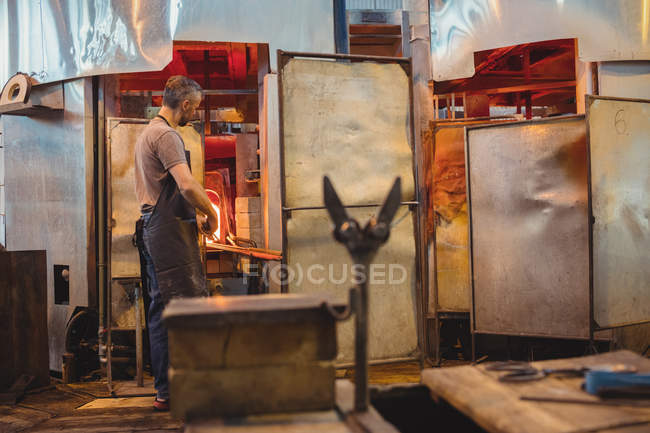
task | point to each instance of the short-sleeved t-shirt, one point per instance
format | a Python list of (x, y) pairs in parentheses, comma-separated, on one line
[(157, 149)]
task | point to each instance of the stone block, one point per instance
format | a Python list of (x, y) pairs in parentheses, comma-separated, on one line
[(201, 394), (248, 205), (248, 220), (255, 234)]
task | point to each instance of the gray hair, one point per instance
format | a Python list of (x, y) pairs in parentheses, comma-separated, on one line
[(177, 89)]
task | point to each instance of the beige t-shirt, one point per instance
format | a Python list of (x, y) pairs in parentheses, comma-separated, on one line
[(157, 149)]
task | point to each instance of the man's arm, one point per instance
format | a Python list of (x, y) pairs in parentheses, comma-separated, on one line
[(193, 192)]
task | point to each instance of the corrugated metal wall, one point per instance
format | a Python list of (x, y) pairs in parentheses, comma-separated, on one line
[(373, 4)]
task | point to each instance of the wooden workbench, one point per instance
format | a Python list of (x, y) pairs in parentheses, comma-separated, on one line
[(498, 406), (341, 420)]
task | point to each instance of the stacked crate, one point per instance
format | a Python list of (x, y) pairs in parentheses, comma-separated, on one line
[(243, 355)]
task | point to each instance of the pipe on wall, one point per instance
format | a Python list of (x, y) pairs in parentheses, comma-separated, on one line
[(341, 40)]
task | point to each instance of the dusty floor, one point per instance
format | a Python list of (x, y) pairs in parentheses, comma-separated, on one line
[(61, 408), (88, 408)]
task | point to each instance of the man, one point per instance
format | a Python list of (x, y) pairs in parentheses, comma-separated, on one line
[(168, 231)]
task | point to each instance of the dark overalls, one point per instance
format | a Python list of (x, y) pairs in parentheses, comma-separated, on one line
[(171, 267)]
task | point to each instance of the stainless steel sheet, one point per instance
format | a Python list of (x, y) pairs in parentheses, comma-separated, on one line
[(319, 264), (619, 132), (605, 29), (49, 198), (61, 39), (624, 79), (290, 25), (350, 121), (125, 210), (527, 192)]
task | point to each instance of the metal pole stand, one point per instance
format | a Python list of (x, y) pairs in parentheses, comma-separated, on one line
[(362, 244)]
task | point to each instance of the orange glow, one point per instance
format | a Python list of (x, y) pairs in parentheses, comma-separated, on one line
[(216, 236)]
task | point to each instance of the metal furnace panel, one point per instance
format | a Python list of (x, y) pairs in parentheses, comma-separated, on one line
[(619, 131), (350, 121), (529, 235), (49, 199), (319, 264), (124, 207)]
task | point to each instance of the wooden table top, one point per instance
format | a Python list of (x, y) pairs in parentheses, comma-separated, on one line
[(498, 407)]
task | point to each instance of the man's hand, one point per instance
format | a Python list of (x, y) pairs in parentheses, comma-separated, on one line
[(213, 222), (207, 224), (194, 193), (204, 227)]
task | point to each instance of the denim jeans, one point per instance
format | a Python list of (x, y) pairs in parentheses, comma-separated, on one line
[(157, 331)]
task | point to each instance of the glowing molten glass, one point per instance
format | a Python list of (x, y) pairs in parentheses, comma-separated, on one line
[(214, 199)]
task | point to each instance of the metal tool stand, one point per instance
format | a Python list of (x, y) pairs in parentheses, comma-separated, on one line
[(138, 338), (362, 244)]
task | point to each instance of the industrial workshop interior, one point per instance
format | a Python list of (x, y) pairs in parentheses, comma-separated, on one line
[(346, 216)]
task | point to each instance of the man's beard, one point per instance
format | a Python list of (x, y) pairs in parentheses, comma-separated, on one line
[(184, 120)]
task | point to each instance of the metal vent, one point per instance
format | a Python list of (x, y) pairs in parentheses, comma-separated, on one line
[(374, 4)]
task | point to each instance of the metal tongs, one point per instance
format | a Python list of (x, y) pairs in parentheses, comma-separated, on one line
[(362, 244)]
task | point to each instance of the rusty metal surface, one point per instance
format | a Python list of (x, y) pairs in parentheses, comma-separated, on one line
[(448, 207), (605, 29), (527, 194), (618, 133), (123, 205), (60, 39), (360, 110), (450, 220), (123, 313), (49, 198)]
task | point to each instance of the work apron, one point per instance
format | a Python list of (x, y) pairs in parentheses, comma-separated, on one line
[(171, 239)]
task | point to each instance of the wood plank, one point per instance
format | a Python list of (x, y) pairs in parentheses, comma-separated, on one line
[(23, 313), (316, 422), (111, 422), (370, 421), (17, 418), (497, 406)]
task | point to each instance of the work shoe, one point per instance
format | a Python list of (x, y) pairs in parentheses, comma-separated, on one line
[(161, 405)]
